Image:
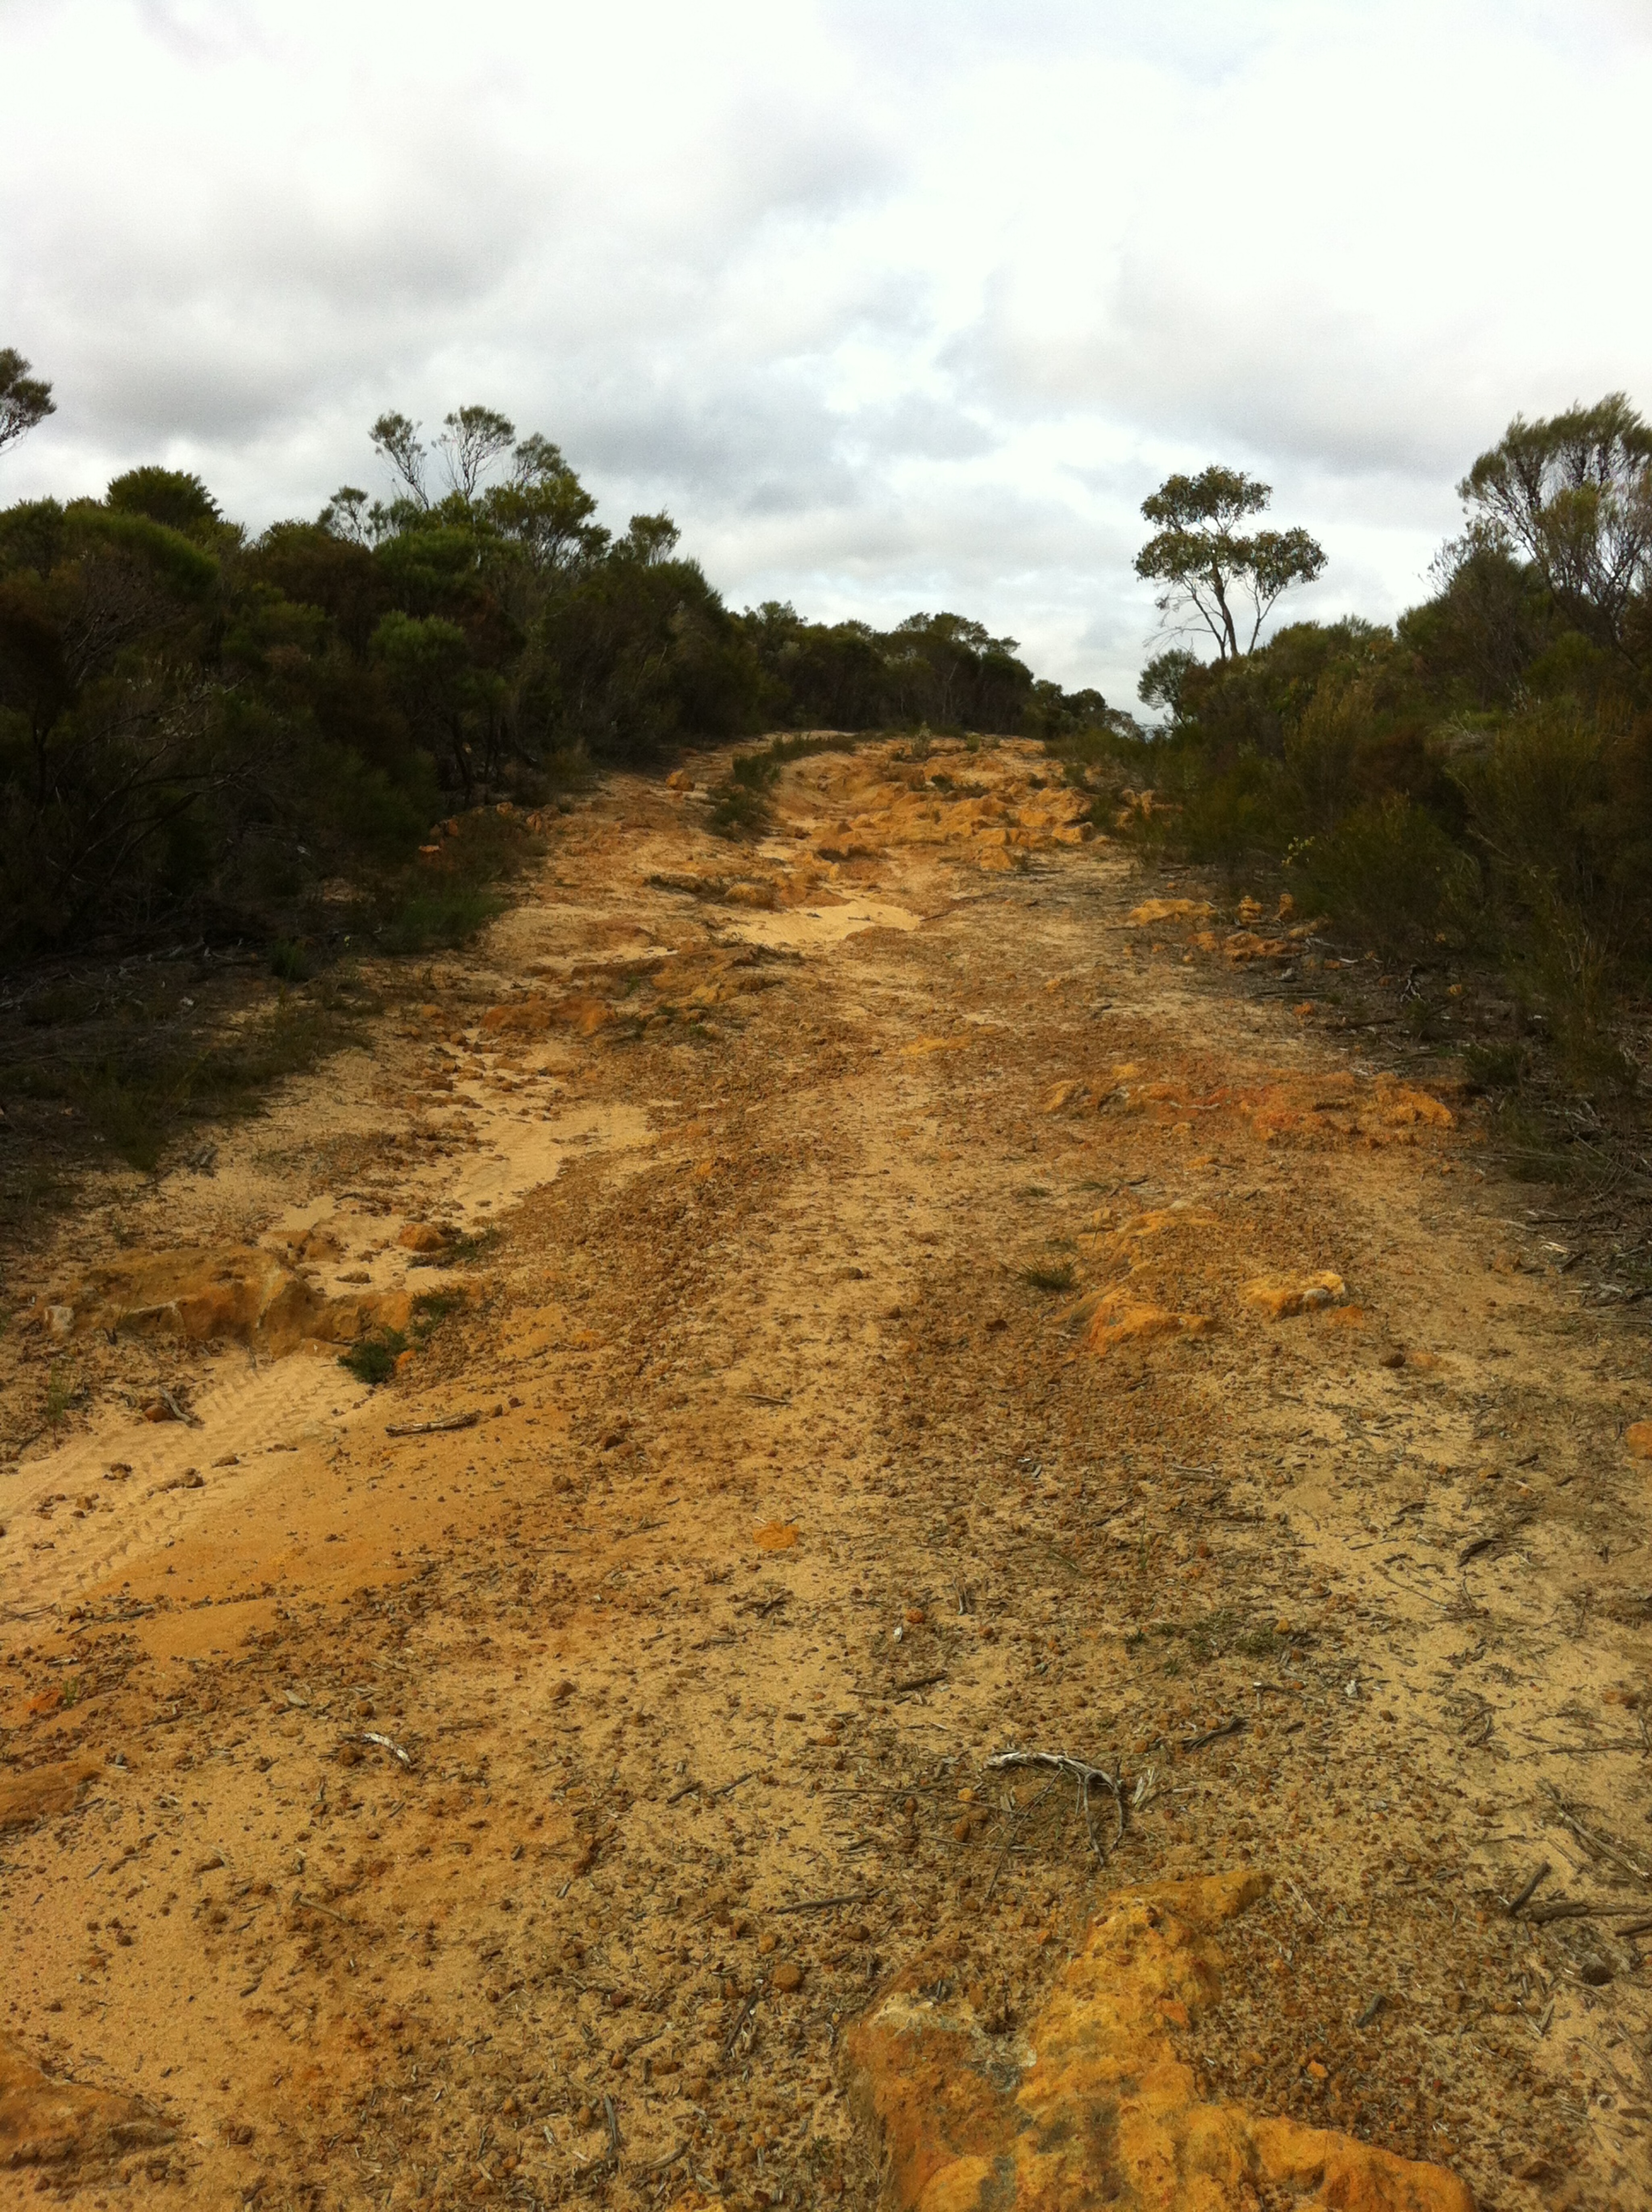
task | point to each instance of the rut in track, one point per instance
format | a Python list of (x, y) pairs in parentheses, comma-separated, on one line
[(911, 1310)]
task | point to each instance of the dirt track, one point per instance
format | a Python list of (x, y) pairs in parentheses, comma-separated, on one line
[(913, 1310)]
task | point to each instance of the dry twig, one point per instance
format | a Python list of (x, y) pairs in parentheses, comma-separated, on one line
[(433, 1428), (1083, 1775)]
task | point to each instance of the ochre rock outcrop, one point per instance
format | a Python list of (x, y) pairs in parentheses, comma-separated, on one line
[(241, 1293), (36, 1793), (63, 2125), (1099, 2105)]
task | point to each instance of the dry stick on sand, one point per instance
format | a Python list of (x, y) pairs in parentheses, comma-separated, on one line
[(433, 1428), (386, 1743), (1598, 1844), (1527, 1893), (745, 2013), (178, 1413), (1084, 1776), (1016, 1827), (1224, 1728), (822, 1904)]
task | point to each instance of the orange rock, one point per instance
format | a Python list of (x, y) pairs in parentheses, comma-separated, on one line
[(1107, 2109), (59, 2126), (421, 1236), (1407, 1106), (775, 1536), (529, 1017), (241, 1292), (1638, 1437), (38, 1793), (1121, 1319), (1180, 910), (1281, 1296)]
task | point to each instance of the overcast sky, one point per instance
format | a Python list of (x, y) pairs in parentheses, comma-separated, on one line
[(892, 306)]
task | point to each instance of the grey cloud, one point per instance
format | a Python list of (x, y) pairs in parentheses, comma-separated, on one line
[(783, 326)]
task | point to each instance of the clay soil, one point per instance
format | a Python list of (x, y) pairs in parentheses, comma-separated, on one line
[(910, 1311)]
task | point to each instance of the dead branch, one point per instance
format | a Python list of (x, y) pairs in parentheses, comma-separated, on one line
[(1085, 1775)]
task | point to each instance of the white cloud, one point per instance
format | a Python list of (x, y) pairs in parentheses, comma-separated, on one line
[(892, 306)]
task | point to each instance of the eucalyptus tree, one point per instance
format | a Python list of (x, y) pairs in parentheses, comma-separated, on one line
[(1209, 571)]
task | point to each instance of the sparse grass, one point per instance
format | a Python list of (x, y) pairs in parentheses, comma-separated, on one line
[(290, 960), (738, 811), (738, 806), (1496, 1067), (372, 1361), (460, 889), (439, 920), (1225, 1633), (61, 1391), (1049, 1275), (476, 1244), (119, 1060)]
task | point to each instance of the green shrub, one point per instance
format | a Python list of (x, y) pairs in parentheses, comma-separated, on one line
[(373, 1360), (1390, 874), (290, 960)]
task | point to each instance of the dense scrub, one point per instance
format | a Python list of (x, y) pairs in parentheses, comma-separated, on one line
[(208, 733), (1471, 784)]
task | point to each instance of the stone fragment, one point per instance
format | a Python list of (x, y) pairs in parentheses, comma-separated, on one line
[(1120, 1318), (61, 2126), (421, 1236), (1638, 1437), (1178, 909), (238, 1291), (36, 1793), (1280, 1295), (1099, 2105)]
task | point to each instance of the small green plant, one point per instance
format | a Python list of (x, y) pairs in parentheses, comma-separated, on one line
[(372, 1361), (738, 810), (60, 1392), (1496, 1067), (1048, 1275), (440, 920), (290, 960), (431, 1309)]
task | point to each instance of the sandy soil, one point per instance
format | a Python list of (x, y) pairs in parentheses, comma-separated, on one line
[(911, 1310)]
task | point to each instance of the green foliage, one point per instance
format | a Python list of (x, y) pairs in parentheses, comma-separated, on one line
[(1476, 779), (943, 671), (289, 961), (1572, 495), (165, 496), (373, 1360), (1048, 1275), (1209, 573), (1389, 874), (25, 400)]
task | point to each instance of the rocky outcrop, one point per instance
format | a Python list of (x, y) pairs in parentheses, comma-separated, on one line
[(1099, 2105), (64, 2126), (241, 1294), (29, 1793)]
